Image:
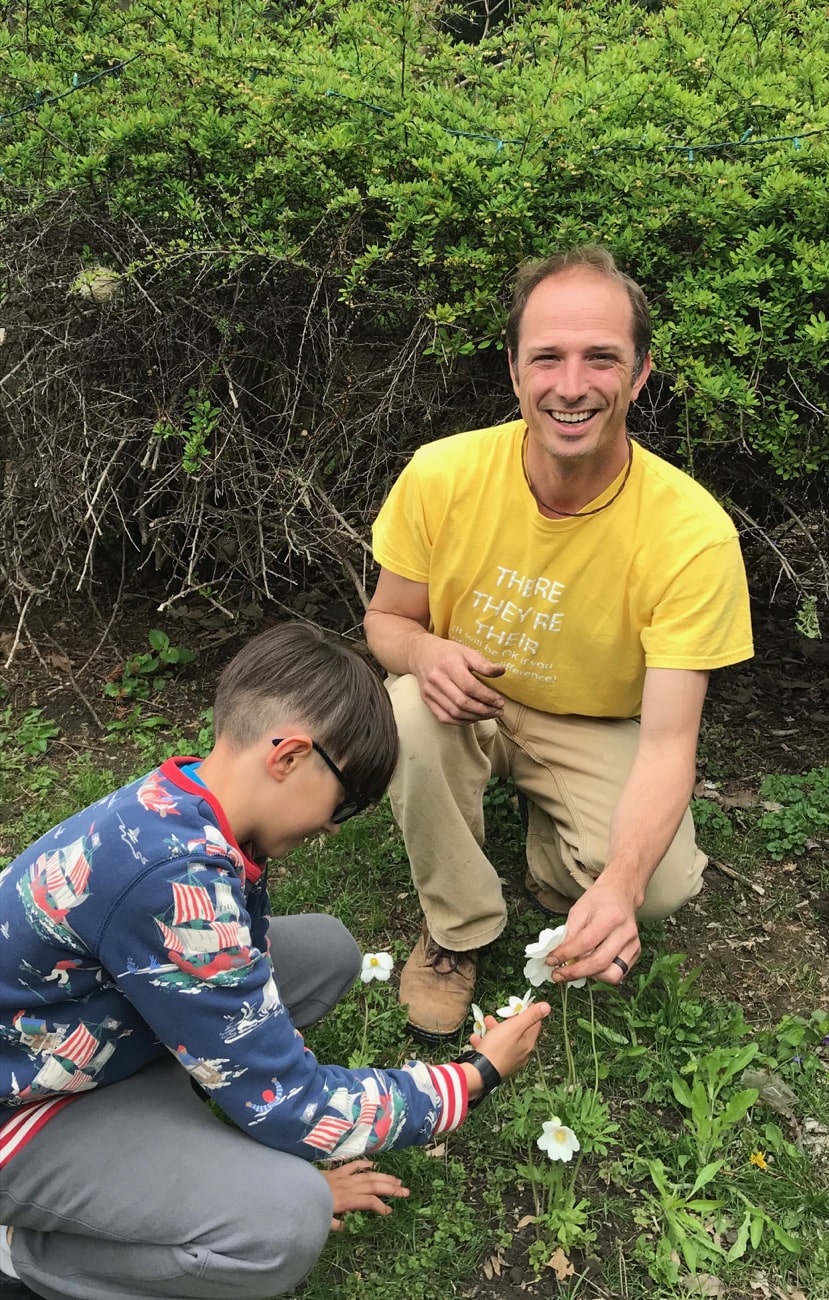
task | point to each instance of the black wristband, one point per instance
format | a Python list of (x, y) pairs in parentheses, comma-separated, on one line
[(485, 1068)]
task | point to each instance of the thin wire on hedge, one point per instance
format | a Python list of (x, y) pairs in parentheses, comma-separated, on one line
[(691, 150), (41, 100)]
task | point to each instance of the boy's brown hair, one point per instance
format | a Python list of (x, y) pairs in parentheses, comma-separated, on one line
[(296, 672)]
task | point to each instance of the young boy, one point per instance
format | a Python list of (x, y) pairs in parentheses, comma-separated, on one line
[(139, 959)]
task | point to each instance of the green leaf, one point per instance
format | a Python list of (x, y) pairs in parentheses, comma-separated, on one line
[(705, 1175)]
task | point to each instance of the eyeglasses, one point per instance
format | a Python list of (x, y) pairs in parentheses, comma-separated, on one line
[(353, 803)]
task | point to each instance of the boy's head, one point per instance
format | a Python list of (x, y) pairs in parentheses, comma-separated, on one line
[(299, 674)]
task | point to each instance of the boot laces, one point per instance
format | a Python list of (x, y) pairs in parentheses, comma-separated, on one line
[(446, 958)]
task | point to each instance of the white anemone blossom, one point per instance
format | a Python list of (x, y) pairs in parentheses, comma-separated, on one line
[(536, 969), (515, 1006), (376, 966), (557, 1140), (478, 1026)]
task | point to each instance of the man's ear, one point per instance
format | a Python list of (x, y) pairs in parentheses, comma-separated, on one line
[(513, 372), (642, 378), (282, 759)]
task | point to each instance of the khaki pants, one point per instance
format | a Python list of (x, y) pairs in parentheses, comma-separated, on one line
[(572, 770)]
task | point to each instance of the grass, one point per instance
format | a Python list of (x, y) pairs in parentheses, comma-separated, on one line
[(689, 1177)]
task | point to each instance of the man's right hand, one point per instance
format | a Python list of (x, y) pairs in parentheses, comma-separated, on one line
[(448, 676)]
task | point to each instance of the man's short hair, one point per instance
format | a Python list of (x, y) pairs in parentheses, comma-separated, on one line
[(589, 257), (296, 672)]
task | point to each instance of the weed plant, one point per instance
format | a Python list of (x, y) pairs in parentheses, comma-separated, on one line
[(701, 1157)]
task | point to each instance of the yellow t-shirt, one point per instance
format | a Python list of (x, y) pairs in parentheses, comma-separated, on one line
[(575, 609)]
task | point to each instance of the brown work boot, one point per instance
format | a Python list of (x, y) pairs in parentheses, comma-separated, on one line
[(436, 985), (547, 900)]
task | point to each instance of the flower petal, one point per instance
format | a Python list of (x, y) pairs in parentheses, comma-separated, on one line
[(537, 971), (547, 941)]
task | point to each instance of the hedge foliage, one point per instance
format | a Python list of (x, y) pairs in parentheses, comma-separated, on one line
[(255, 255)]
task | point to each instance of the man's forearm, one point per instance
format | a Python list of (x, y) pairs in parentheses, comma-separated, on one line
[(392, 638), (651, 806)]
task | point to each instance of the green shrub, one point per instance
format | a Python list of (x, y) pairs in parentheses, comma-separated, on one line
[(270, 248)]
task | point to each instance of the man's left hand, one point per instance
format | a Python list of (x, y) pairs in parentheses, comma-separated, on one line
[(601, 926)]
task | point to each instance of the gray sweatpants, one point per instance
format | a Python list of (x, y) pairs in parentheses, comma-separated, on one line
[(138, 1190)]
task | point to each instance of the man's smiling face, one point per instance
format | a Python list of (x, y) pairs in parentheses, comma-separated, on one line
[(573, 374)]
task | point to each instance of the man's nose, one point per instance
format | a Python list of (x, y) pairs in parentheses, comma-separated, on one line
[(571, 379)]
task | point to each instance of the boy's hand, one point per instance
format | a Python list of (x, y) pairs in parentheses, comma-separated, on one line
[(509, 1043), (357, 1186)]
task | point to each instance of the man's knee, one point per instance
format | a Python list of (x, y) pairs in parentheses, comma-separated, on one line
[(677, 880), (411, 714)]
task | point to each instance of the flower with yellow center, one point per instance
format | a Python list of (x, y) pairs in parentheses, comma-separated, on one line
[(758, 1158), (559, 1141), (478, 1025), (515, 1006), (376, 966)]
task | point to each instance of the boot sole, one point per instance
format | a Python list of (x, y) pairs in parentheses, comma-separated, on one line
[(432, 1036), (539, 906)]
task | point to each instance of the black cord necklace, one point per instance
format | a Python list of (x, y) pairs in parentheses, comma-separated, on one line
[(575, 514)]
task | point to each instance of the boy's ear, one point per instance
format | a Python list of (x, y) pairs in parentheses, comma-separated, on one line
[(282, 759)]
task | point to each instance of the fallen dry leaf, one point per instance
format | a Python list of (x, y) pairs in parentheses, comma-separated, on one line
[(561, 1265), (759, 1282), (739, 799), (439, 1150), (703, 1284), (62, 662), (525, 1222), (492, 1266)]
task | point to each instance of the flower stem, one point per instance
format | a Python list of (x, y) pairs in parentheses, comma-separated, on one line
[(543, 1077), (364, 1047), (571, 1065), (576, 1168), (593, 1042)]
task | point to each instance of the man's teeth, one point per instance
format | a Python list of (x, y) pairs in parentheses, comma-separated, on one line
[(572, 417)]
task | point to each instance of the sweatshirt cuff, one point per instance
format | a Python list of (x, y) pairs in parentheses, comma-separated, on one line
[(451, 1086)]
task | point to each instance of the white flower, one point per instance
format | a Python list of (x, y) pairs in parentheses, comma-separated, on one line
[(559, 1141), (478, 1026), (536, 969), (376, 966), (515, 1006)]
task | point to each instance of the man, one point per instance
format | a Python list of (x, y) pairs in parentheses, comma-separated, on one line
[(551, 599)]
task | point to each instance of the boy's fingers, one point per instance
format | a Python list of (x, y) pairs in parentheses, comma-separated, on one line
[(357, 1166), (535, 1013)]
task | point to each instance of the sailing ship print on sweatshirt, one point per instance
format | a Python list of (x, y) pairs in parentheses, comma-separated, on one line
[(203, 936), (54, 885), (138, 929), (73, 1057)]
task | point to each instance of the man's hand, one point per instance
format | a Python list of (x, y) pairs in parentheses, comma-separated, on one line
[(509, 1043), (447, 674), (601, 925), (356, 1185)]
